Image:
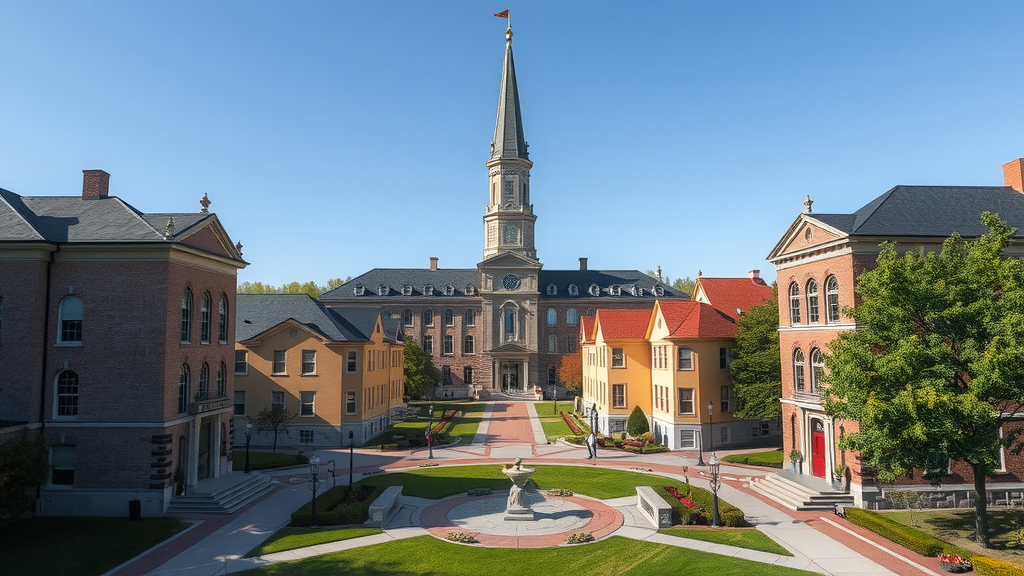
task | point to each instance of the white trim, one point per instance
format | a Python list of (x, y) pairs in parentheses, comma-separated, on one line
[(805, 327), (167, 424)]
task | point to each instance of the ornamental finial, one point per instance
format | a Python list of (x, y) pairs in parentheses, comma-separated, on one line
[(808, 203), (205, 203), (169, 229)]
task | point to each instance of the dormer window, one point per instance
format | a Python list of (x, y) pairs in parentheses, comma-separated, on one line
[(359, 290), (407, 290), (614, 290), (573, 290), (383, 290), (636, 290), (594, 290), (658, 291), (428, 290), (552, 290), (449, 290), (470, 289)]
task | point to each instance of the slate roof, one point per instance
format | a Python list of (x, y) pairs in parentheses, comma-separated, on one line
[(617, 323), (395, 279), (930, 211), (257, 313), (604, 279), (728, 294), (689, 319)]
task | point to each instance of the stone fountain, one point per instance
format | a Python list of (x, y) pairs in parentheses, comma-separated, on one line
[(518, 507)]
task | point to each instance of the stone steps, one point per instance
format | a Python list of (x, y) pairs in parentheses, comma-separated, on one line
[(226, 500), (796, 496)]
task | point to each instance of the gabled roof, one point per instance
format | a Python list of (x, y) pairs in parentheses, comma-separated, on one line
[(689, 319), (255, 314), (616, 323), (587, 328), (732, 295)]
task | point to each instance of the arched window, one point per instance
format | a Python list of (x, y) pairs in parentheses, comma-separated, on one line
[(428, 317), (186, 316), (70, 318), (407, 317), (204, 318), (574, 290), (510, 323), (468, 344), (184, 383), (798, 370), (222, 381), (817, 369), (572, 317), (794, 303), (449, 317), (204, 382), (552, 317), (832, 299), (812, 301), (595, 290), (222, 324), (469, 317), (67, 394)]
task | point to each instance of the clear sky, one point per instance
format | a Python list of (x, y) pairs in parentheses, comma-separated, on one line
[(335, 137)]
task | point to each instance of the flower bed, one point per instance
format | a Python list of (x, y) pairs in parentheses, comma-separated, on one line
[(955, 563), (446, 419), (571, 424)]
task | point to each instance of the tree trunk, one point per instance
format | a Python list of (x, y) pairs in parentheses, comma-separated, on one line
[(980, 506), (275, 441)]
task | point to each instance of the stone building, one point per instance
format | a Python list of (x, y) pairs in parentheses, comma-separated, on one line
[(115, 345)]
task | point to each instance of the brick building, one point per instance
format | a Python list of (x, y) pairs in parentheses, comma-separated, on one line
[(818, 261), (115, 345)]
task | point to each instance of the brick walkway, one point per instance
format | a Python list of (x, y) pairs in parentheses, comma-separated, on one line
[(509, 424)]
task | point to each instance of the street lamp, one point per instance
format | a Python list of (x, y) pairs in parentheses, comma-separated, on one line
[(554, 394), (314, 484), (714, 465), (593, 425), (248, 439), (430, 434)]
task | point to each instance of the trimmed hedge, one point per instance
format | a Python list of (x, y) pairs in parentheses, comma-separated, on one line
[(986, 566), (682, 514), (911, 538), (335, 507)]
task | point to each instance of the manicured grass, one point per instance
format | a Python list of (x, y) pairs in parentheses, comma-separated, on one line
[(429, 556), (262, 460), (292, 538), (463, 426), (1006, 530), (547, 407), (555, 427), (771, 459), (750, 538), (78, 546)]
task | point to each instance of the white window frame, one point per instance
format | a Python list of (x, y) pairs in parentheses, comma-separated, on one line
[(618, 400), (794, 303), (64, 314), (76, 396), (470, 317), (448, 346), (238, 394), (352, 362), (305, 436), (681, 393), (552, 317), (276, 395), (350, 402), (245, 361), (283, 363), (813, 314), (831, 299), (307, 404), (688, 439), (449, 317), (468, 345), (306, 362), (684, 354), (622, 358)]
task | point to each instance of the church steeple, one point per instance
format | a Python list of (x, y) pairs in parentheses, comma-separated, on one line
[(508, 222)]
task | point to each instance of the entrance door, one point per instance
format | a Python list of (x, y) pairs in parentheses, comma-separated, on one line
[(205, 438), (510, 376), (818, 448)]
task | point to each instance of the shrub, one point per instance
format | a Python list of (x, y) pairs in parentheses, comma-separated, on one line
[(647, 438), (463, 537), (912, 538), (986, 566), (339, 506), (727, 513), (388, 447), (637, 423), (580, 538)]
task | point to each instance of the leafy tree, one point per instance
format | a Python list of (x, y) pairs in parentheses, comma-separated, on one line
[(570, 371), (936, 368), (22, 467), (684, 285), (420, 374), (311, 288), (637, 423), (273, 420), (755, 367)]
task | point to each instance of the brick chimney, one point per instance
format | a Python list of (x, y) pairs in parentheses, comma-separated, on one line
[(755, 275), (583, 263), (1013, 174), (95, 184), (433, 262)]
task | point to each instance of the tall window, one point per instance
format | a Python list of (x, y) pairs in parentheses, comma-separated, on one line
[(552, 344), (307, 401), (726, 397), (468, 344), (309, 362), (280, 366), (510, 324), (618, 358), (723, 358), (812, 301), (685, 360), (552, 317), (351, 364), (62, 465), (350, 402), (407, 317), (222, 323), (572, 317), (204, 318), (469, 317), (241, 362), (449, 317), (618, 395), (798, 370), (428, 317), (277, 398), (428, 344), (184, 383), (70, 319), (67, 394), (794, 303), (467, 374), (685, 400), (239, 401), (222, 380), (449, 344), (204, 382), (186, 316), (832, 299), (817, 369)]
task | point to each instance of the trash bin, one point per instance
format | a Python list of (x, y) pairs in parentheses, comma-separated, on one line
[(135, 509)]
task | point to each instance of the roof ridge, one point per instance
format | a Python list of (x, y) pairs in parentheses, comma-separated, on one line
[(31, 227), (137, 214)]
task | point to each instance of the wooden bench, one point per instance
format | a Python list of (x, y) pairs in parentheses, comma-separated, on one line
[(653, 507), (385, 505)]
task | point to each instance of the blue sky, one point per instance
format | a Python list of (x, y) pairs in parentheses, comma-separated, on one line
[(335, 137)]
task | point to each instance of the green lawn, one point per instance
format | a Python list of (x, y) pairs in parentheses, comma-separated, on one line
[(771, 459), (555, 427), (1006, 530), (78, 546), (426, 555), (464, 426), (740, 537), (262, 460), (292, 538)]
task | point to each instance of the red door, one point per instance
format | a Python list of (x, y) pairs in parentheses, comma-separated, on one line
[(818, 449)]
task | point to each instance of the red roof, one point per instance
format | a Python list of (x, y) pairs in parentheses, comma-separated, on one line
[(728, 294), (588, 328), (690, 319), (620, 323)]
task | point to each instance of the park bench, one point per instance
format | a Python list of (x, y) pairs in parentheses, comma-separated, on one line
[(385, 505), (653, 507)]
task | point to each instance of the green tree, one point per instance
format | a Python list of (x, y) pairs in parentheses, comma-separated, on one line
[(937, 366), (755, 367), (22, 467), (637, 423), (272, 420), (311, 287), (685, 285), (420, 374)]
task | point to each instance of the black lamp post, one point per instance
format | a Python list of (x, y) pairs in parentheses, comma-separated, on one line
[(593, 425), (350, 443), (430, 434), (248, 439), (314, 485), (714, 463), (700, 445)]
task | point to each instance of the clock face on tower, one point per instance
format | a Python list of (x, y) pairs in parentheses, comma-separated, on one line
[(510, 282)]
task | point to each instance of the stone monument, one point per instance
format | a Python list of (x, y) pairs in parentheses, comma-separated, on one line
[(518, 507)]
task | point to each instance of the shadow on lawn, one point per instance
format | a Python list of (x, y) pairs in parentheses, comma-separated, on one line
[(1006, 527)]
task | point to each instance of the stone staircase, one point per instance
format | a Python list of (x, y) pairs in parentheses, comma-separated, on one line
[(800, 493), (222, 495)]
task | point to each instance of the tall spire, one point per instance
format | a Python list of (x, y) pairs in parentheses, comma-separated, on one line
[(509, 141)]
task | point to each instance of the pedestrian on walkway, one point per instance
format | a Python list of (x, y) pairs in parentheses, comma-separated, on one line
[(592, 446)]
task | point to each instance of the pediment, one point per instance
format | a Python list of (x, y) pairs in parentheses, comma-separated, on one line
[(511, 348), (209, 235), (509, 260), (806, 232), (289, 324)]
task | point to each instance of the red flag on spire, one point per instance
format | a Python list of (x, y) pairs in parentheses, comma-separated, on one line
[(502, 14)]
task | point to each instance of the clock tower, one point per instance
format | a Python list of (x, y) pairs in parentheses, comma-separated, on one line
[(510, 269)]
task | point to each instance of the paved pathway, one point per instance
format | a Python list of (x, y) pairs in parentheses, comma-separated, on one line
[(510, 429)]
